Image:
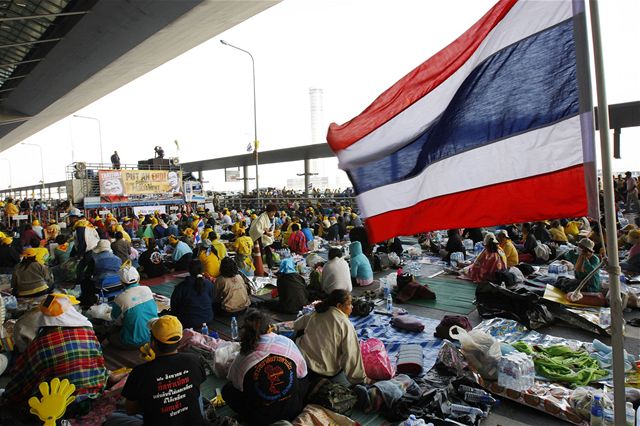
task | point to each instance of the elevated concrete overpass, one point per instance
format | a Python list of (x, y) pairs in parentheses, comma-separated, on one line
[(57, 56)]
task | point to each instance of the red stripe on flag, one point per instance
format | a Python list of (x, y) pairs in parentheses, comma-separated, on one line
[(553, 195), (415, 85)]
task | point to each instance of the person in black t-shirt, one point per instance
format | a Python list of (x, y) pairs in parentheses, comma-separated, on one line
[(166, 390), (151, 261)]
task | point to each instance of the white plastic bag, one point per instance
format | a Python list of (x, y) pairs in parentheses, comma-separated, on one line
[(223, 356), (101, 311), (481, 350)]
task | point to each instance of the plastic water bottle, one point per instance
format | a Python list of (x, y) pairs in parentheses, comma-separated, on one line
[(605, 317), (205, 329), (468, 244), (458, 410), (630, 414), (477, 248), (456, 259), (596, 412), (386, 288), (389, 303), (234, 328), (478, 397)]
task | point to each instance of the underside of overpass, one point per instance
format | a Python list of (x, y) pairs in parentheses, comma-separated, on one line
[(58, 56)]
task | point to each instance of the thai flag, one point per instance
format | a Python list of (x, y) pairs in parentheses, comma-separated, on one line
[(197, 238), (495, 128)]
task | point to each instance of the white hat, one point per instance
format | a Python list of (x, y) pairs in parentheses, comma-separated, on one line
[(488, 237), (103, 245), (129, 275)]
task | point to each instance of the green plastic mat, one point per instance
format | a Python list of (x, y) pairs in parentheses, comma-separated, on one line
[(164, 289), (452, 295)]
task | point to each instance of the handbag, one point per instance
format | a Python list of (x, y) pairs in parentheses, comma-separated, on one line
[(375, 358)]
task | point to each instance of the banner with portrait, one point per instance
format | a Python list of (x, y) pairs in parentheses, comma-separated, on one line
[(139, 185)]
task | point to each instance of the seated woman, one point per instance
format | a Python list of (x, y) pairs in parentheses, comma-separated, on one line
[(65, 347), (182, 254), (268, 378), (526, 250), (330, 344), (335, 273), (232, 295), (632, 262), (454, 244), (361, 271), (585, 262), (210, 260), (133, 308), (244, 247), (292, 289), (490, 261), (297, 240), (557, 233), (151, 261), (30, 278), (193, 299)]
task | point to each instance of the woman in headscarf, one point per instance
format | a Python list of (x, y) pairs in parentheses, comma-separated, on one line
[(489, 262), (252, 389), (30, 278), (210, 260), (292, 289), (65, 347)]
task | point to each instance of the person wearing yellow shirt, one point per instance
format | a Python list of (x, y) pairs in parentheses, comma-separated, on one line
[(572, 229), (510, 251), (205, 232), (11, 209), (557, 232), (210, 260), (52, 231), (244, 247), (218, 245)]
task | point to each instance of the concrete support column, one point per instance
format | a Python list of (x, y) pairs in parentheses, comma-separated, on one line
[(307, 174), (245, 178)]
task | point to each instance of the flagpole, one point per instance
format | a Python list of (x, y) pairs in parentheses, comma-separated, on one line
[(617, 337)]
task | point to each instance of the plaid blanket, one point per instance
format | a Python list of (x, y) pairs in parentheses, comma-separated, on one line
[(379, 326), (66, 353)]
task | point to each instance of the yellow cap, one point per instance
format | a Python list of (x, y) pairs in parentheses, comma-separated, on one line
[(56, 304), (172, 239), (35, 223), (30, 252), (167, 329)]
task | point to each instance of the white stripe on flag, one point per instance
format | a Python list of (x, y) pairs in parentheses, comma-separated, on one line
[(524, 19), (533, 153)]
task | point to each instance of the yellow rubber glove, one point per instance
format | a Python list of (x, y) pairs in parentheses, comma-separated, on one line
[(54, 401), (217, 400), (147, 353)]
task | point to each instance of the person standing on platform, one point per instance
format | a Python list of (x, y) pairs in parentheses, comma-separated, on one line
[(115, 160)]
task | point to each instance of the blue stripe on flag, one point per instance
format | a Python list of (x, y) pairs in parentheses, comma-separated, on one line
[(525, 86)]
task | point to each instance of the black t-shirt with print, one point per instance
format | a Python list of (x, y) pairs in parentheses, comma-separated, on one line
[(273, 390), (167, 390)]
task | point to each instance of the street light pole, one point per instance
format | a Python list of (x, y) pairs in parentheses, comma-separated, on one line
[(99, 132), (255, 113), (10, 173), (41, 166)]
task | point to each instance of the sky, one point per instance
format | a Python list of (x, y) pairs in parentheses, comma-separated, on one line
[(352, 49)]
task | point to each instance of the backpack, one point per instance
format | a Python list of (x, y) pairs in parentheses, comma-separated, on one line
[(542, 252), (333, 396), (362, 307)]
